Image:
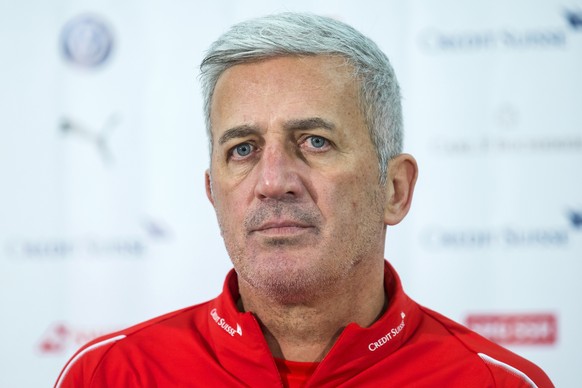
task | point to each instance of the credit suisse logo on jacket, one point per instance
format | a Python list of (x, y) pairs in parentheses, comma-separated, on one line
[(225, 326)]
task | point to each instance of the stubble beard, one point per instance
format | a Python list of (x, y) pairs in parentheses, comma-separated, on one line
[(290, 279), (291, 272), (285, 269)]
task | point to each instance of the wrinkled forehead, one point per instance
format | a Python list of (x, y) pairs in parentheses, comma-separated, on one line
[(283, 75)]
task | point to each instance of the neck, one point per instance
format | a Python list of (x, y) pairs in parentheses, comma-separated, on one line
[(306, 330)]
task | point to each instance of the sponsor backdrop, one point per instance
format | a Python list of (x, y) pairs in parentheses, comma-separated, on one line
[(103, 216)]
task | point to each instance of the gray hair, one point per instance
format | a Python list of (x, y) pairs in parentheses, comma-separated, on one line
[(298, 34)]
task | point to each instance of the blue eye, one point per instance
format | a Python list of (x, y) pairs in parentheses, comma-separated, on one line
[(317, 141), (243, 149)]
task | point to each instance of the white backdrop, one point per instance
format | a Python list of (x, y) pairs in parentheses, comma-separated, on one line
[(103, 216)]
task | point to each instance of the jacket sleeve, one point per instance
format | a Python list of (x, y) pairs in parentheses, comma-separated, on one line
[(505, 375), (80, 369)]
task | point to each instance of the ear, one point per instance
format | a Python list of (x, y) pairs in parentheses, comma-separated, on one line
[(400, 182), (208, 184)]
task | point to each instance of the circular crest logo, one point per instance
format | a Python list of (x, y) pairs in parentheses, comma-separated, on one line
[(87, 41)]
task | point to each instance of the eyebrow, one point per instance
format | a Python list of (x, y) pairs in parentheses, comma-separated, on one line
[(237, 132), (245, 130), (309, 123)]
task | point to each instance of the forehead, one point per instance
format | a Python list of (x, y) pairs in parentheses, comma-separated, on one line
[(324, 68), (290, 85)]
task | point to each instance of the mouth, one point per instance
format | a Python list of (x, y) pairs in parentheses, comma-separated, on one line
[(282, 228)]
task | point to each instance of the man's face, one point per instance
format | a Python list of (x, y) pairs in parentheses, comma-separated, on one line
[(294, 175)]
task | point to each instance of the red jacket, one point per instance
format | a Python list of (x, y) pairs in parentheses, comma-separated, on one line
[(214, 345)]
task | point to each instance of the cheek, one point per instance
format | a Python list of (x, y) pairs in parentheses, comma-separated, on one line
[(360, 194), (345, 198), (227, 207)]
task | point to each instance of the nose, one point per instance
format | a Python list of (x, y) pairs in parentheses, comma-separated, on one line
[(279, 175)]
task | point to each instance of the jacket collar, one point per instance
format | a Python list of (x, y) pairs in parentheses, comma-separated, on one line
[(241, 348)]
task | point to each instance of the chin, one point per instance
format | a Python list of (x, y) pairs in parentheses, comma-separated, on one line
[(288, 280)]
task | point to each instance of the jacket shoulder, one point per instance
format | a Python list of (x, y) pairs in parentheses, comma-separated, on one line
[(81, 367), (507, 369)]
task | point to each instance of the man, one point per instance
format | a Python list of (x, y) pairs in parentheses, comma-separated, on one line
[(305, 127)]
